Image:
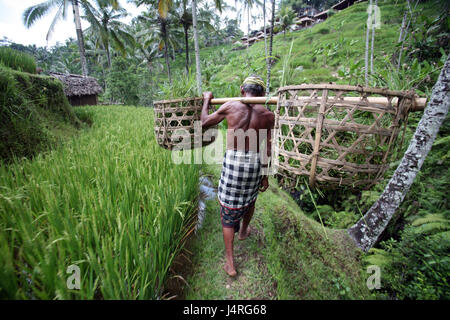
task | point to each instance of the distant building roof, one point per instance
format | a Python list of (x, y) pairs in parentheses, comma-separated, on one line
[(304, 20), (77, 85), (321, 15), (343, 4)]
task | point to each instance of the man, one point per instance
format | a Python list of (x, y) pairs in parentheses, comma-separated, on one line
[(242, 173)]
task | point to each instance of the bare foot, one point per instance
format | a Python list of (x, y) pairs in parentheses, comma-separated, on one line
[(230, 270), (242, 235)]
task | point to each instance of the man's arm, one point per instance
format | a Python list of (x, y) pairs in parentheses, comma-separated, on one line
[(209, 120)]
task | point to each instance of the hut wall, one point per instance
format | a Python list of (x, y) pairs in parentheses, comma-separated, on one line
[(83, 100)]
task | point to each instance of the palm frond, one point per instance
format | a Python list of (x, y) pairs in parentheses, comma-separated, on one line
[(117, 43), (58, 16), (34, 13), (429, 218), (164, 7), (378, 257)]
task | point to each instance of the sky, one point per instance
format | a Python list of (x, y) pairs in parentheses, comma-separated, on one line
[(12, 27)]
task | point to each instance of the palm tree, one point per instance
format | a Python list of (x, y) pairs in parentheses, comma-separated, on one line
[(34, 13), (218, 4), (286, 16), (248, 4), (155, 33), (105, 24), (163, 11), (183, 15), (368, 229)]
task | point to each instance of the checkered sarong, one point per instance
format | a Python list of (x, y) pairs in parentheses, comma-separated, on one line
[(240, 179)]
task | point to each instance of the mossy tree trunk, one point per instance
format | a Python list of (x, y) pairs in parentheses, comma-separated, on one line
[(368, 229)]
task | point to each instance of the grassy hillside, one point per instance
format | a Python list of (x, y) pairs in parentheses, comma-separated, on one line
[(331, 51), (34, 113)]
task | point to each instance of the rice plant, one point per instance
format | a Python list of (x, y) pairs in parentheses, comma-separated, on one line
[(17, 60), (111, 202)]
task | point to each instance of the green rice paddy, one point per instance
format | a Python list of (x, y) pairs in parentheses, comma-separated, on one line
[(109, 201)]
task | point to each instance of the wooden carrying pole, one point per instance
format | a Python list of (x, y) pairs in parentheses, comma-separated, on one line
[(419, 104)]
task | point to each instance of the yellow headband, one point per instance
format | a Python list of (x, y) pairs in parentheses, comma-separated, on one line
[(254, 80)]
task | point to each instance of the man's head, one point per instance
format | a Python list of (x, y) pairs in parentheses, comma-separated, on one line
[(253, 86)]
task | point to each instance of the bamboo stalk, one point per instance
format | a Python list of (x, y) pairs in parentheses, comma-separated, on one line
[(319, 125), (419, 105), (258, 100)]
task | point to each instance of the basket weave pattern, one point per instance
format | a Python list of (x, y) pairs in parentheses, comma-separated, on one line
[(178, 114), (337, 142)]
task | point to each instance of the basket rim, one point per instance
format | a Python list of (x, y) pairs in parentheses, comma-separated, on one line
[(177, 100), (382, 91)]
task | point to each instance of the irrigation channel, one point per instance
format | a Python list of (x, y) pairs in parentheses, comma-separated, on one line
[(207, 192)]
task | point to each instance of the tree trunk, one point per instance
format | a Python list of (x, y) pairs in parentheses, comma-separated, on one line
[(186, 40), (404, 31), (265, 34), (248, 26), (269, 59), (366, 57), (108, 55), (367, 230), (373, 39), (166, 45), (186, 36), (197, 50), (76, 16)]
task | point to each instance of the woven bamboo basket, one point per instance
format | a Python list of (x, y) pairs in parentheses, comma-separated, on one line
[(338, 135), (175, 118)]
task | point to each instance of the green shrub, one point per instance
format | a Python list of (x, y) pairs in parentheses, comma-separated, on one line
[(122, 82), (323, 31), (416, 267), (17, 60)]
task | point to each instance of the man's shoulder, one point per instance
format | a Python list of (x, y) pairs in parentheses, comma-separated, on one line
[(265, 112)]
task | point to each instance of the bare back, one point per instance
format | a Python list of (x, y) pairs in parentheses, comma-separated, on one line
[(247, 125)]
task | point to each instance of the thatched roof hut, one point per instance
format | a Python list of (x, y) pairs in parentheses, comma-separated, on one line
[(79, 90), (304, 22)]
